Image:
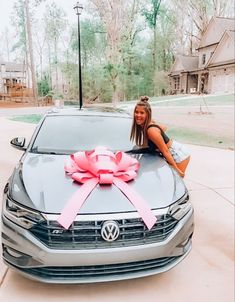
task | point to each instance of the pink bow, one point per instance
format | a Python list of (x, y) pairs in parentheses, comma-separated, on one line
[(101, 166)]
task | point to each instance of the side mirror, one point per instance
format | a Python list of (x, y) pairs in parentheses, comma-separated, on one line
[(19, 143)]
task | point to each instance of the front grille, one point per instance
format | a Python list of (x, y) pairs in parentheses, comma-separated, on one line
[(99, 271), (87, 234)]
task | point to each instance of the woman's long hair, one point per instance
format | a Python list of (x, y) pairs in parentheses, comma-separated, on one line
[(139, 133)]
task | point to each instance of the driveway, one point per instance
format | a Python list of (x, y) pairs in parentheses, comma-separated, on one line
[(207, 274)]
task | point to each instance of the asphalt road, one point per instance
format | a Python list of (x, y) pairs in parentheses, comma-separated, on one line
[(23, 110)]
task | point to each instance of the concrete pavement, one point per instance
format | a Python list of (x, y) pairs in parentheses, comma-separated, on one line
[(207, 274)]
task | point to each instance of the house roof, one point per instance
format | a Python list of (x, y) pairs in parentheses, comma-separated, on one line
[(184, 63), (226, 23), (13, 67), (225, 47), (189, 62), (215, 30), (220, 33)]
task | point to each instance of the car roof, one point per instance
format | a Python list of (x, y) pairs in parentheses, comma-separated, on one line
[(89, 111)]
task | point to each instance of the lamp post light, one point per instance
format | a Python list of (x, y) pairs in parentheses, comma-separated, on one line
[(78, 9)]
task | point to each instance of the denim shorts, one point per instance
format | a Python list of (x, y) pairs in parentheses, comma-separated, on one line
[(179, 151)]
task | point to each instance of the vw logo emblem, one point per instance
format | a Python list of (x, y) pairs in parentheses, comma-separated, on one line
[(110, 231)]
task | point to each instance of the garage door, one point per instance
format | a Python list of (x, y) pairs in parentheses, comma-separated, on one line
[(230, 83), (223, 83)]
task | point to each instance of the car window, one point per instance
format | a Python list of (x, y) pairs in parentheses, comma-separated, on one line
[(68, 134)]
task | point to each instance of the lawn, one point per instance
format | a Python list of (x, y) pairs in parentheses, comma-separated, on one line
[(209, 100), (27, 118), (191, 136)]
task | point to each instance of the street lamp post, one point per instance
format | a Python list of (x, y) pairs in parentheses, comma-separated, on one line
[(78, 9)]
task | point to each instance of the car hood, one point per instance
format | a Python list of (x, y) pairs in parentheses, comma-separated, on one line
[(40, 183)]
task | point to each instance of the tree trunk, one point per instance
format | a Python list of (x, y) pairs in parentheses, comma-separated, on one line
[(50, 68), (56, 69), (30, 47), (154, 47)]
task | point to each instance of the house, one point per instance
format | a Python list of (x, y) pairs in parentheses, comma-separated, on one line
[(182, 76), (13, 78), (212, 68)]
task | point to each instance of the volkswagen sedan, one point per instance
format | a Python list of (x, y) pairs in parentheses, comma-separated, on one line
[(107, 239)]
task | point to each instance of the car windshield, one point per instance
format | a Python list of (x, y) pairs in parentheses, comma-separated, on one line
[(68, 134)]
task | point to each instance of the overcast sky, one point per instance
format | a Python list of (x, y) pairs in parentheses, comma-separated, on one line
[(6, 8)]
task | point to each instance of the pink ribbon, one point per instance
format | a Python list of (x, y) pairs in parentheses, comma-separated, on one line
[(101, 166)]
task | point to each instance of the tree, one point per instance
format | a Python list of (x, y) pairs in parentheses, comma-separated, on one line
[(40, 38), (196, 15), (18, 21), (125, 51), (114, 15), (6, 38), (43, 86), (165, 37), (151, 15), (23, 24), (55, 23), (30, 48)]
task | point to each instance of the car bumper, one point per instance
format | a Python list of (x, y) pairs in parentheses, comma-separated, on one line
[(24, 253)]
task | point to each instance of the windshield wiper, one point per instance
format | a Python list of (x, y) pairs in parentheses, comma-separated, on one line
[(142, 151), (38, 151), (139, 151)]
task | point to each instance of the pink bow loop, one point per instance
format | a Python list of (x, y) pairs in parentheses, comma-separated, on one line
[(106, 178), (126, 162), (101, 166)]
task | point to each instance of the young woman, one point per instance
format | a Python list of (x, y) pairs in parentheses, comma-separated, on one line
[(146, 133)]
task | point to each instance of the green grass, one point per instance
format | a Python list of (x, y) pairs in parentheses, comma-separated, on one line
[(189, 136), (27, 118), (209, 100)]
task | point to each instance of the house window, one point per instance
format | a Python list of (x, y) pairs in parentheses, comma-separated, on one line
[(203, 59), (177, 83)]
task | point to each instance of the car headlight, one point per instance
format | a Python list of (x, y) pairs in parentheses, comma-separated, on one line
[(20, 215), (180, 208)]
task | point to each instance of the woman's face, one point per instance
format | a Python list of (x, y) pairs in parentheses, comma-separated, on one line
[(140, 115)]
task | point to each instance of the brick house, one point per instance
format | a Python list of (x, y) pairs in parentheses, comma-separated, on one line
[(212, 68)]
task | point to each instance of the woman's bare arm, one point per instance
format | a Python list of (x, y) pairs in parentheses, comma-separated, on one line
[(154, 135)]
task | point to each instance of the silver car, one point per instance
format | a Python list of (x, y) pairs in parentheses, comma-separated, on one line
[(108, 239)]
